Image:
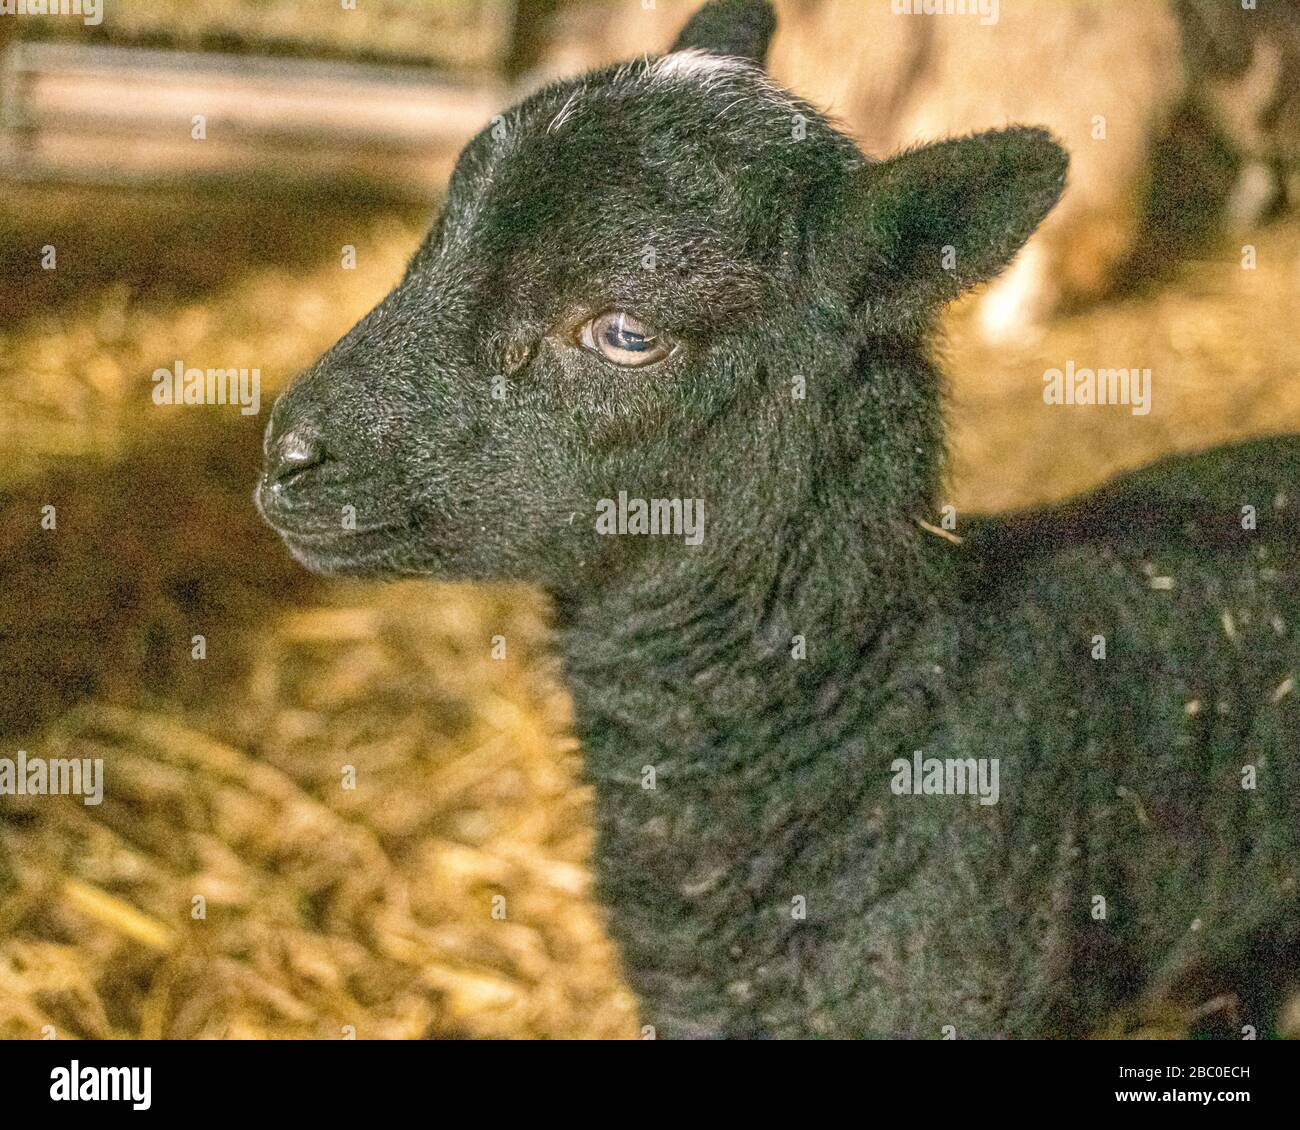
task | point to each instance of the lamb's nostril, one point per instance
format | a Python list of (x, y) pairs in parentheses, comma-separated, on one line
[(293, 453)]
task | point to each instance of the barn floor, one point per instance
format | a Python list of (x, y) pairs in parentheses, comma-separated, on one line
[(371, 907)]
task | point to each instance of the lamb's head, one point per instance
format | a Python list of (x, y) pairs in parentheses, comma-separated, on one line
[(660, 282)]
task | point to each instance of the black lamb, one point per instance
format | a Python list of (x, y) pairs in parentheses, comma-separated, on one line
[(665, 354)]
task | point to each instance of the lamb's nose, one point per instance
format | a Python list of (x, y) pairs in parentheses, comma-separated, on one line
[(293, 453)]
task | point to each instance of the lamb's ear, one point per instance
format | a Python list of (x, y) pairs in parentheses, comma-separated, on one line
[(918, 229), (741, 28)]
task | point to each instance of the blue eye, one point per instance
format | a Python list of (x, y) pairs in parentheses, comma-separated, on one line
[(621, 338)]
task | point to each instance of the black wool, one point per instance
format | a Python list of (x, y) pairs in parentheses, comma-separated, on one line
[(665, 354)]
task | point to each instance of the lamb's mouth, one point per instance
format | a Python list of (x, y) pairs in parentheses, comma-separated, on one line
[(326, 544)]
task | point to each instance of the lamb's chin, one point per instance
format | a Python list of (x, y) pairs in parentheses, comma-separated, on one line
[(343, 557)]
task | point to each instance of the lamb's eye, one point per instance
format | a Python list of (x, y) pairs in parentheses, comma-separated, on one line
[(620, 338)]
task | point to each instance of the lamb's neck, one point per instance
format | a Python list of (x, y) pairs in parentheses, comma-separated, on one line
[(721, 746), (712, 686)]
